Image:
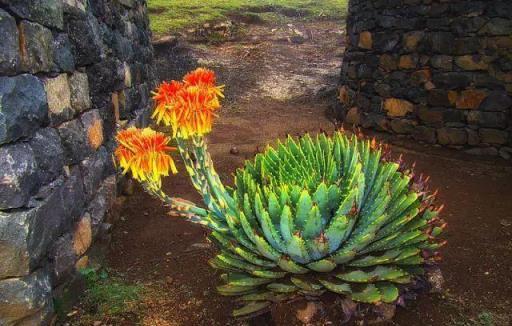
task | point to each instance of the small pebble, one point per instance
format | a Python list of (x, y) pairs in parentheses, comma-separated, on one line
[(234, 150), (505, 223), (72, 313), (312, 311)]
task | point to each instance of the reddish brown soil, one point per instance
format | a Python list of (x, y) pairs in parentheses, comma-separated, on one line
[(169, 256)]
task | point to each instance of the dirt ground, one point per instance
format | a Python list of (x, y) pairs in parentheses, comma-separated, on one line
[(277, 85)]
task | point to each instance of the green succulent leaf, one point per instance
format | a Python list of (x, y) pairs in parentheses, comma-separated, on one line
[(289, 265), (303, 209), (380, 273), (286, 224), (234, 290), (321, 199), (263, 296), (389, 293), (274, 207), (241, 279), (282, 287), (314, 224), (297, 249), (336, 287), (369, 294), (269, 274), (306, 285), (271, 233), (323, 265), (251, 308)]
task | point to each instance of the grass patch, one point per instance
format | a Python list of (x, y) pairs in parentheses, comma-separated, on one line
[(168, 16), (107, 295), (483, 319)]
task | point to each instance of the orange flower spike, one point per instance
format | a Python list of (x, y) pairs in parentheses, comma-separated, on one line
[(144, 152), (193, 111), (165, 96), (206, 78)]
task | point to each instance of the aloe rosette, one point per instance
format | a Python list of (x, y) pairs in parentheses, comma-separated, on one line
[(323, 214), (311, 215)]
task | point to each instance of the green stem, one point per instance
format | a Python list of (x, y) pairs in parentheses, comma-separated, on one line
[(208, 170), (198, 178), (179, 206)]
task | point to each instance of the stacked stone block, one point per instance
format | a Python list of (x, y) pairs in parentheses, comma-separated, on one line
[(71, 71), (439, 71)]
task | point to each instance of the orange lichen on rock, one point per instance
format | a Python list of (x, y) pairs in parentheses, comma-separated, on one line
[(396, 107), (95, 134), (470, 99)]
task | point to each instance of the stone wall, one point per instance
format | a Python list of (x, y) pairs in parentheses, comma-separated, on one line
[(70, 71), (439, 71)]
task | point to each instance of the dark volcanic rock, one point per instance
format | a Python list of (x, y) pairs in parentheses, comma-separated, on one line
[(107, 74), (93, 169), (497, 101), (493, 136), (63, 259), (49, 153), (36, 44), (79, 88), (46, 12), (402, 126), (23, 297), (14, 255), (74, 139), (452, 136), (19, 175), (23, 107), (102, 203), (497, 26), (442, 42), (9, 51), (62, 53), (425, 134), (85, 40), (452, 80), (26, 235)]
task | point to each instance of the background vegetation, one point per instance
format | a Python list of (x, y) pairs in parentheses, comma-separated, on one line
[(168, 16)]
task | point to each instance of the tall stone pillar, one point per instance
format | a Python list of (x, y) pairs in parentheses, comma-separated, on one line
[(439, 71)]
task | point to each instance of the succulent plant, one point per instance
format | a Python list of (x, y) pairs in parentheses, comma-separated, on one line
[(311, 215), (324, 214)]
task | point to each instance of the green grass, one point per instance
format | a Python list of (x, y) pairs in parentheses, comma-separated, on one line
[(107, 295), (483, 319), (168, 16)]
